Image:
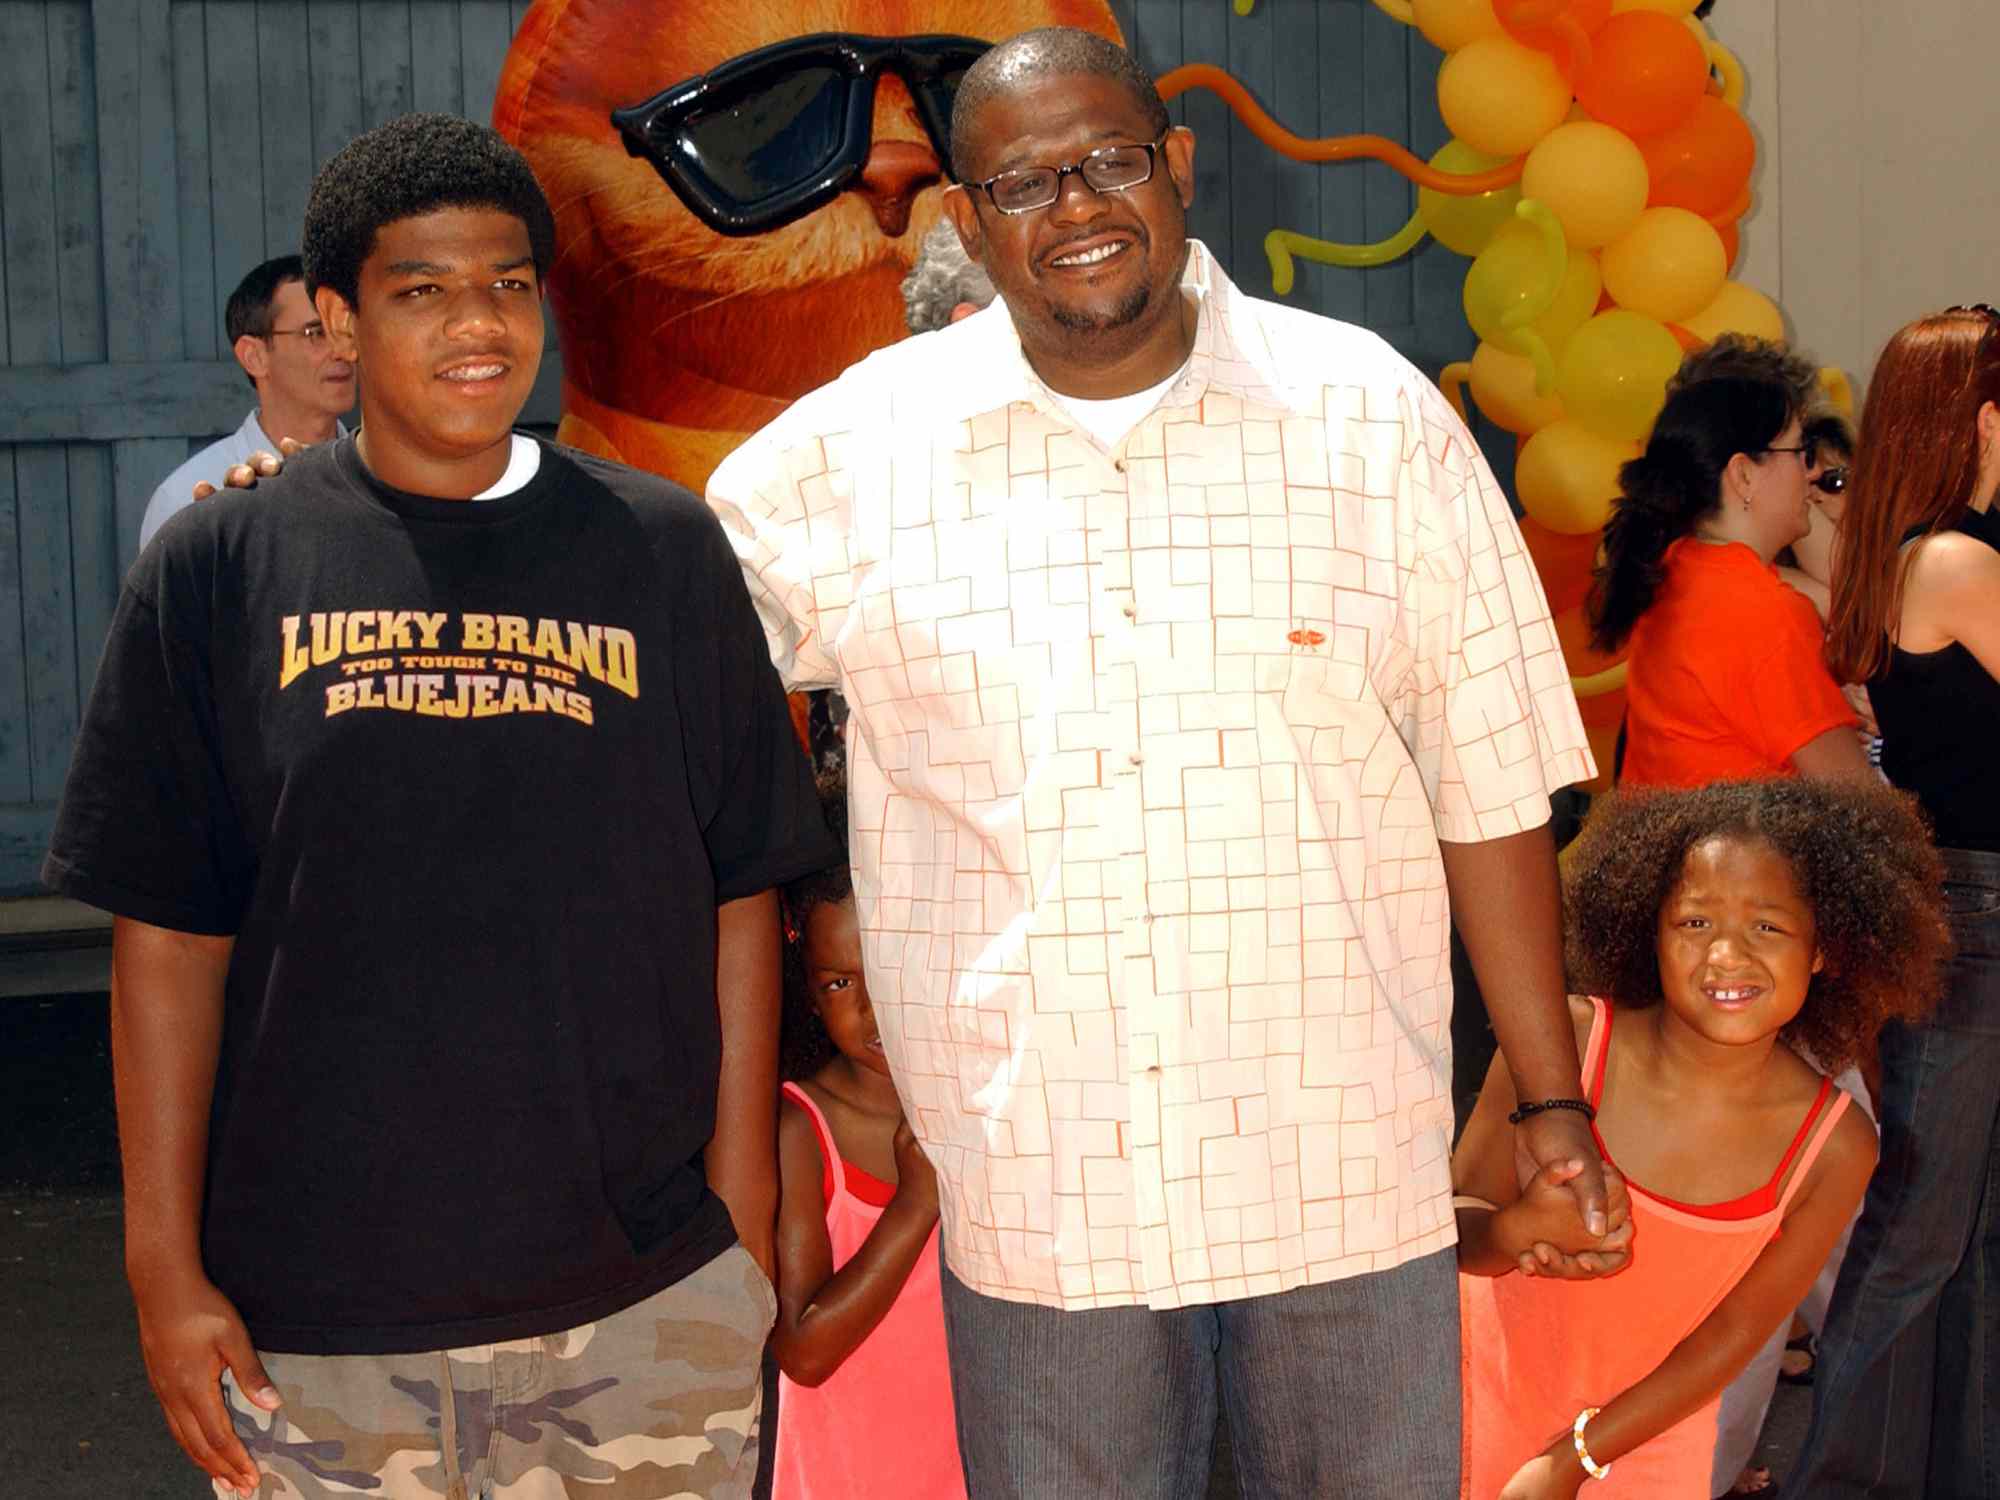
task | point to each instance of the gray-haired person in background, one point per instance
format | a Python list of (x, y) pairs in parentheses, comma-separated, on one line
[(944, 285)]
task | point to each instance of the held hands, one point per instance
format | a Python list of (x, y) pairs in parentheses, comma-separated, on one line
[(262, 464), (189, 1334), (1544, 1219), (1563, 1135), (916, 1178)]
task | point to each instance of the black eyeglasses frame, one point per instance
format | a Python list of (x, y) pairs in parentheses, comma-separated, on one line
[(1079, 168), (652, 129)]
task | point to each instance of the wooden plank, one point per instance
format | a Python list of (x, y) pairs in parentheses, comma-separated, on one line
[(333, 32), (48, 615), (107, 403), (1205, 38), (27, 186), (24, 839), (386, 86), (201, 309), (1295, 100), (284, 97), (1251, 56), (14, 778), (137, 467), (235, 149), (1337, 292), (1387, 198), (138, 187), (79, 220), (437, 78), (486, 29), (95, 561)]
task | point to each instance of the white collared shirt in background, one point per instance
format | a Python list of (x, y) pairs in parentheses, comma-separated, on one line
[(176, 492)]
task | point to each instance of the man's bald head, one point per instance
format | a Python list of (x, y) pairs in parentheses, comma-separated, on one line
[(1050, 51)]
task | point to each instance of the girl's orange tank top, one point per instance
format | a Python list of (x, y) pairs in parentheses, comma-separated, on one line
[(1538, 1351)]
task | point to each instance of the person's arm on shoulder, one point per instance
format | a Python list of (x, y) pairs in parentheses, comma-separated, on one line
[(824, 1314), (1716, 1352), (261, 464), (166, 1034)]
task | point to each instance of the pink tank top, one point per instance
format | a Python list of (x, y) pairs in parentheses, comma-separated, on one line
[(1537, 1351), (882, 1425)]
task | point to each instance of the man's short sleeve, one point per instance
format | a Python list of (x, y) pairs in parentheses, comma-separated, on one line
[(776, 497), (148, 828), (760, 816), (1491, 720)]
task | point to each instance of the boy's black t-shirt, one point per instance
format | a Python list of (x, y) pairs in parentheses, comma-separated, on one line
[(466, 781)]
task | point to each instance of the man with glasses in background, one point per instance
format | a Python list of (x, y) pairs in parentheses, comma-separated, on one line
[(302, 390), (1193, 655)]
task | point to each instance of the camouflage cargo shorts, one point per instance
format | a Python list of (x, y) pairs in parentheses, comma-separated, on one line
[(657, 1402)]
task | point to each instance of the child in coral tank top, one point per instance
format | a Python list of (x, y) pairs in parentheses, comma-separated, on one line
[(1720, 924), (864, 1394)]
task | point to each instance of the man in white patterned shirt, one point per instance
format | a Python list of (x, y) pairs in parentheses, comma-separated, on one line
[(1193, 654)]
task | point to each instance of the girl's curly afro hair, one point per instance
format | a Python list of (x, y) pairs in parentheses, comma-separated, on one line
[(1863, 860), (803, 1044)]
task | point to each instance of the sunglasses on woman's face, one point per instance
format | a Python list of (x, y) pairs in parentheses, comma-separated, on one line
[(1831, 481), (770, 136)]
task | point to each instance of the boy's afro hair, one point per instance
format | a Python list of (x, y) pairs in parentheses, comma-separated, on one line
[(414, 164), (1862, 858)]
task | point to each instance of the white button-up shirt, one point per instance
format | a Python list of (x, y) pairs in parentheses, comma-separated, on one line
[(1151, 752)]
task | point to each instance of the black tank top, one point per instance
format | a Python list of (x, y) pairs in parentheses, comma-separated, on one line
[(1940, 718)]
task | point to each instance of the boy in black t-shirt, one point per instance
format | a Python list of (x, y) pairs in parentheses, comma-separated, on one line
[(439, 788)]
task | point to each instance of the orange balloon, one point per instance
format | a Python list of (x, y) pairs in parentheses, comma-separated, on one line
[(1563, 562), (1559, 27), (1573, 635), (1703, 163), (1645, 75), (1732, 242)]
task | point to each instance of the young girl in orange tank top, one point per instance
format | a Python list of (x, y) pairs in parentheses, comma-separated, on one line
[(864, 1394), (1718, 924)]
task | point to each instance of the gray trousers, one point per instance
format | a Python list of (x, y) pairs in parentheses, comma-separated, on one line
[(1347, 1390)]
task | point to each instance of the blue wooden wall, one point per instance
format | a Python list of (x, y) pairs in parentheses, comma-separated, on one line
[(152, 151)]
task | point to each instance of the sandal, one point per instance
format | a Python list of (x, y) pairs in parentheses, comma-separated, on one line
[(1763, 1485), (1804, 1344)]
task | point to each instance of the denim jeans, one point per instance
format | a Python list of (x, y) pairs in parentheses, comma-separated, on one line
[(1347, 1390), (1910, 1361)]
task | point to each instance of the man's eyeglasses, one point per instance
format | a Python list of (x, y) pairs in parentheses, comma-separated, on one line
[(1109, 169), (768, 137), (312, 333)]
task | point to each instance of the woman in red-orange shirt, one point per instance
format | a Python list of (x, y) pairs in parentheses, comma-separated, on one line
[(1726, 678)]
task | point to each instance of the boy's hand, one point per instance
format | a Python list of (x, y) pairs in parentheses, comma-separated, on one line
[(189, 1334), (1545, 1220), (262, 463), (916, 1178)]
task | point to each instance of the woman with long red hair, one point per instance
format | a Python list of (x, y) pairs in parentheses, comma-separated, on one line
[(1910, 1360)]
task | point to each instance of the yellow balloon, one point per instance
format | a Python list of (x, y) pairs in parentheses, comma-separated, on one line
[(1666, 7), (1613, 374), (1511, 271), (1465, 224), (1503, 385), (1669, 265), (1737, 308), (1500, 97), (1449, 24), (1592, 178), (1567, 476)]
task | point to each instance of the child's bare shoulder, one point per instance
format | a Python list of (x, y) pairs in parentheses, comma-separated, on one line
[(1582, 1017)]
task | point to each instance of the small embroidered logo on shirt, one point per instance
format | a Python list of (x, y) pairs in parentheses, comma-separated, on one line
[(1307, 638)]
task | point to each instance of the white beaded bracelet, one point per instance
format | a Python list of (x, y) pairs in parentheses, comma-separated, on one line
[(1591, 1466)]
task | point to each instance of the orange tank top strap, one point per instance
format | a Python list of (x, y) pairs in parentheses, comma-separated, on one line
[(833, 1176)]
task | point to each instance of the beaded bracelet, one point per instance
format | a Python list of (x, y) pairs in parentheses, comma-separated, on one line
[(1582, 1106), (1591, 1466)]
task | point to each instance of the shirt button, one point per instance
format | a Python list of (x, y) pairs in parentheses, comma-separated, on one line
[(1147, 919), (1136, 758), (1118, 464), (1130, 611), (1153, 1071)]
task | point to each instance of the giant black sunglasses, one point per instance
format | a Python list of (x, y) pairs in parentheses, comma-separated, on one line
[(770, 136)]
